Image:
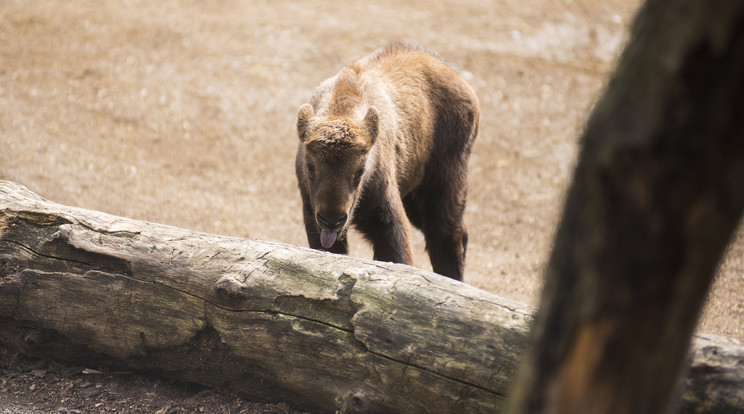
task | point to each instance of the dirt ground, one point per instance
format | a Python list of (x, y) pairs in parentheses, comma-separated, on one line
[(33, 386), (182, 112)]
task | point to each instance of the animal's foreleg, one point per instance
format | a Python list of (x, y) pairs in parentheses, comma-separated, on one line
[(392, 240)]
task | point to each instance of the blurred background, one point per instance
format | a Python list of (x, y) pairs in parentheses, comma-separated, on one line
[(183, 112)]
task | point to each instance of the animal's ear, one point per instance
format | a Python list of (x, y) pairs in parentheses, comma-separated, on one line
[(304, 121), (372, 124)]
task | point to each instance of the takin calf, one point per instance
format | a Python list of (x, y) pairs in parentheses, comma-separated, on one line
[(385, 144)]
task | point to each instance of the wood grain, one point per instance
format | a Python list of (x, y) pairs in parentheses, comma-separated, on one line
[(267, 321)]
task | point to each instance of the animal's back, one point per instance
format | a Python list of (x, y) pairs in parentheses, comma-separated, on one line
[(403, 57), (405, 66), (429, 100)]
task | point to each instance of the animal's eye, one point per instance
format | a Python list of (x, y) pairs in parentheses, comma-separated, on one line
[(310, 168), (359, 173)]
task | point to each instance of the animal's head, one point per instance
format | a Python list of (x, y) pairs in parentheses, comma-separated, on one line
[(334, 163)]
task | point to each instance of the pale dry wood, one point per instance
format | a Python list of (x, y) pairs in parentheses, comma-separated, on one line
[(269, 321), (263, 320)]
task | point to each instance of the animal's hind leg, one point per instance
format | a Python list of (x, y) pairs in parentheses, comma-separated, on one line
[(440, 200)]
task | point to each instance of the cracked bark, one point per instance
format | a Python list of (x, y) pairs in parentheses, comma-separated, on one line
[(263, 320), (272, 322), (656, 195)]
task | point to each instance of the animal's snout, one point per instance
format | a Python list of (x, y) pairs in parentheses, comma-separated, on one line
[(331, 223)]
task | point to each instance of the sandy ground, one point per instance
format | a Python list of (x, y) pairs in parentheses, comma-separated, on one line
[(183, 112)]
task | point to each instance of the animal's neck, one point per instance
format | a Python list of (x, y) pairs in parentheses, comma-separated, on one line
[(347, 93)]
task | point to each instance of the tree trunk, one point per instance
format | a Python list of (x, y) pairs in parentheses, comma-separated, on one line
[(272, 322), (657, 194)]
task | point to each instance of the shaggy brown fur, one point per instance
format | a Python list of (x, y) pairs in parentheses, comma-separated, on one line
[(385, 144)]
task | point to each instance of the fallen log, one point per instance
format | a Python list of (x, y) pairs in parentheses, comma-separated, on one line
[(263, 320), (267, 321)]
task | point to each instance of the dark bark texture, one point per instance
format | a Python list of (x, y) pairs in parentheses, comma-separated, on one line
[(657, 193)]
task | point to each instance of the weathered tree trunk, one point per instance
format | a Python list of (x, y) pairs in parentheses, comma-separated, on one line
[(657, 193), (269, 321)]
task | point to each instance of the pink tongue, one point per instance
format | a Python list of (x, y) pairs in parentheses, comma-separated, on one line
[(327, 238)]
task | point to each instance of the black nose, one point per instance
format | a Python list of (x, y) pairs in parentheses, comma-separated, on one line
[(331, 223)]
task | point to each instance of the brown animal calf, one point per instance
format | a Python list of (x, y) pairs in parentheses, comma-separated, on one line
[(386, 141)]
